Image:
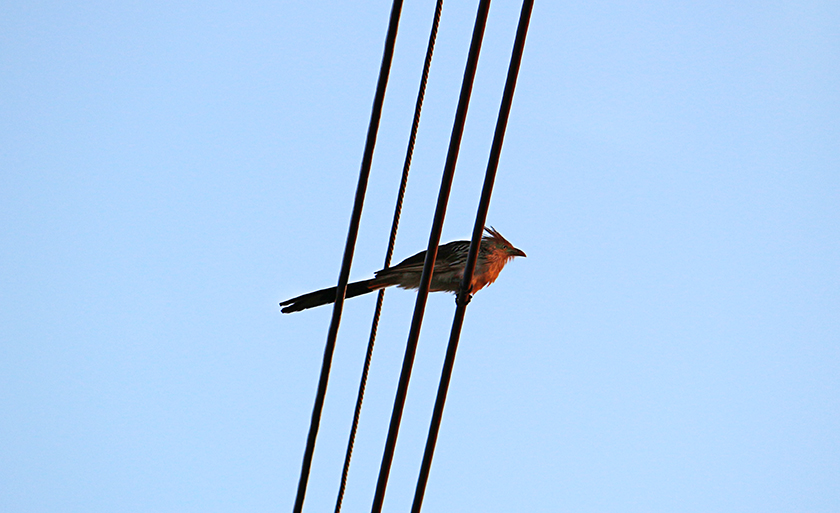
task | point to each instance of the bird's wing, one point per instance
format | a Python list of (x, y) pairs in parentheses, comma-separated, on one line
[(450, 256), (414, 263)]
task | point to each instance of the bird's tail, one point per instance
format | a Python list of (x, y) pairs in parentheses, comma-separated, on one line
[(326, 296)]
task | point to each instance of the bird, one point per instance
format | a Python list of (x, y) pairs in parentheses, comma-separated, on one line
[(494, 252)]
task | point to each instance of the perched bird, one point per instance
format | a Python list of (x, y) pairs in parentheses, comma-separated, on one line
[(495, 251)]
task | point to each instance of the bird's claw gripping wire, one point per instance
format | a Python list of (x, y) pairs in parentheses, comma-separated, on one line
[(463, 299)]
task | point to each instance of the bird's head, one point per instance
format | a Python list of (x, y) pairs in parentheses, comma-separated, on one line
[(500, 245)]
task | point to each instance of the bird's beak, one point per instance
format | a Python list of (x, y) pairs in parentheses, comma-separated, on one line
[(517, 252)]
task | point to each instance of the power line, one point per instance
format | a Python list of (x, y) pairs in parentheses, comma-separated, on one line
[(463, 296), (478, 228), (431, 253), (352, 232), (390, 251)]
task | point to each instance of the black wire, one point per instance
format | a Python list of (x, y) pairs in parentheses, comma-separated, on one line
[(431, 253), (418, 107), (478, 228), (352, 232)]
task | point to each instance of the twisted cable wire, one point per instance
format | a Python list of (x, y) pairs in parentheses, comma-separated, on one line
[(480, 218), (431, 253), (352, 233), (390, 252)]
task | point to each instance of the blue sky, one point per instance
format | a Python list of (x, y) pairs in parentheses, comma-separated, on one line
[(171, 171)]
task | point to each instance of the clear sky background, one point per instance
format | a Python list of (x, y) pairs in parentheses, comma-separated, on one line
[(170, 171)]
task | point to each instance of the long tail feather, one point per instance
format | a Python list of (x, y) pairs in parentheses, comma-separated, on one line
[(325, 296)]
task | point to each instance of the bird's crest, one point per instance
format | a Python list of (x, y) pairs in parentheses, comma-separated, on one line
[(496, 236), (499, 243)]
